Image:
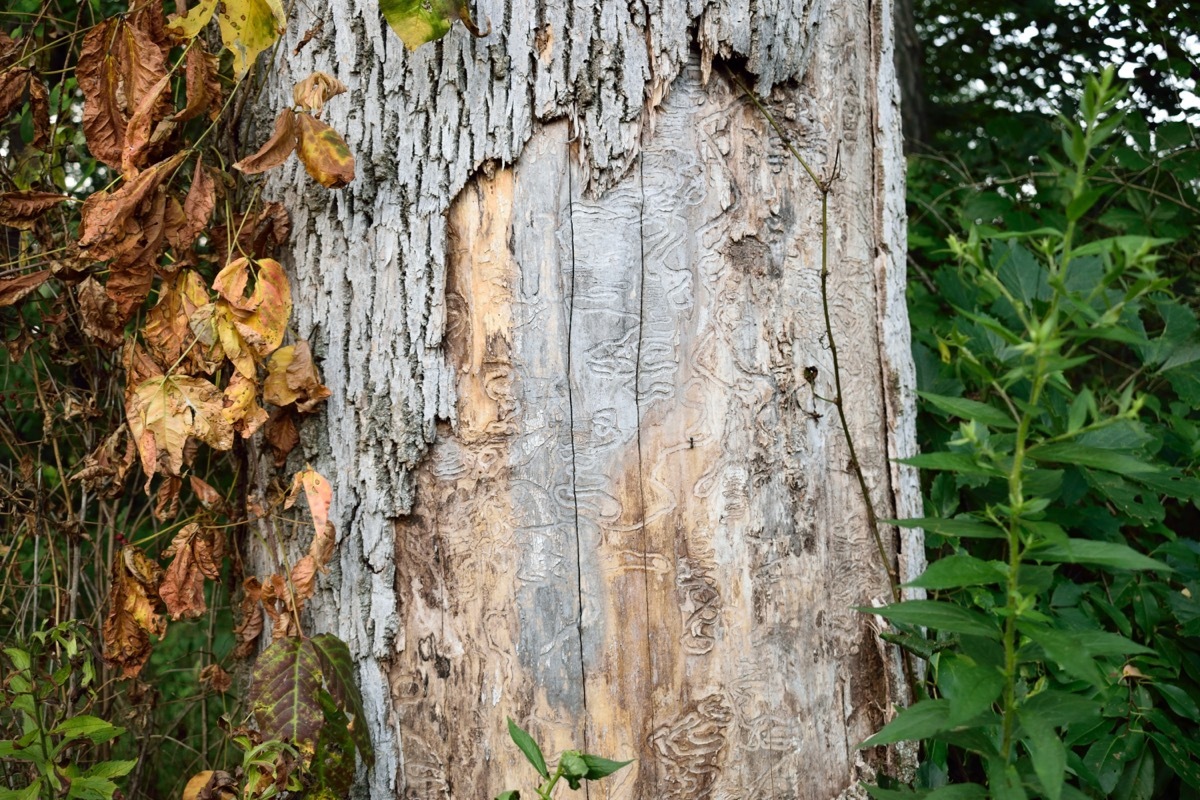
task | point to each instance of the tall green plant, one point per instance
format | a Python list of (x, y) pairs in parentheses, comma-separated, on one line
[(1059, 379)]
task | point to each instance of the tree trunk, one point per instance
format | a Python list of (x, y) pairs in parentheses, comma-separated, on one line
[(566, 311)]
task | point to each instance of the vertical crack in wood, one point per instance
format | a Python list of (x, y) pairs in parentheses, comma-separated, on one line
[(574, 463), (637, 405)]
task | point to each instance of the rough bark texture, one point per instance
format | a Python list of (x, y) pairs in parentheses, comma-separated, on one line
[(565, 312)]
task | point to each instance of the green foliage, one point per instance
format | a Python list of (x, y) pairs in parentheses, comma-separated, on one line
[(49, 745), (573, 766), (1059, 380)]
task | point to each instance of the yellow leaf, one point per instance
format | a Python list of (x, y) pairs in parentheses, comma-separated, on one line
[(260, 316), (194, 20), (241, 406), (249, 27), (164, 411)]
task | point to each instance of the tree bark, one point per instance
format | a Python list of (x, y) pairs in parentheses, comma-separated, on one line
[(565, 311)]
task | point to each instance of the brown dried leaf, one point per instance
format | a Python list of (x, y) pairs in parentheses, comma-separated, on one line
[(138, 365), (203, 87), (281, 434), (14, 290), (324, 152), (276, 149), (259, 234), (131, 273), (304, 581), (314, 91), (100, 318), (39, 109), (164, 411), (250, 625), (317, 491), (105, 468), (167, 331), (215, 679), (13, 83), (241, 406), (166, 503), (133, 611), (292, 378), (110, 222), (323, 544), (209, 497), (198, 206), (197, 553), (137, 131), (21, 209)]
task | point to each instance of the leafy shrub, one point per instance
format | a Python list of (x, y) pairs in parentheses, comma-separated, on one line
[(1059, 377)]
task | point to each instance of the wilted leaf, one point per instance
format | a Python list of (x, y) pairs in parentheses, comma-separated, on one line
[(39, 110), (292, 378), (203, 87), (109, 221), (324, 152), (211, 785), (131, 273), (14, 290), (249, 27), (215, 679), (314, 91), (323, 544), (21, 209), (209, 497), (276, 149), (221, 318), (190, 24), (317, 492), (196, 553), (137, 132), (241, 406), (164, 411), (303, 579), (250, 623), (260, 316), (13, 83), (100, 318), (197, 208), (259, 234), (133, 614), (167, 331), (166, 499), (281, 434), (105, 468)]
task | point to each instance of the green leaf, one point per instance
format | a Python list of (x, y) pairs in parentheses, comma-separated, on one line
[(31, 792), (337, 668), (1101, 554), (1062, 708), (572, 764), (529, 747), (1003, 780), (954, 572), (918, 721), (960, 791), (511, 794), (602, 767), (965, 527), (419, 21), (1179, 700), (87, 727), (971, 688), (939, 615), (1095, 457), (954, 462), (1021, 273), (110, 769), (1137, 779), (966, 409), (91, 789), (1046, 751)]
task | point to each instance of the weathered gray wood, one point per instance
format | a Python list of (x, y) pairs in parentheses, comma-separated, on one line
[(578, 476)]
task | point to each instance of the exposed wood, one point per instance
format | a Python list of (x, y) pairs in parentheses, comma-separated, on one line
[(579, 476)]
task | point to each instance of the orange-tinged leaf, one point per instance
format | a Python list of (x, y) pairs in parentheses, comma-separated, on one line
[(292, 378), (323, 544), (324, 152), (317, 491), (276, 149), (260, 316), (197, 553), (137, 131), (133, 611), (131, 273), (21, 209), (281, 434), (235, 348), (14, 290), (304, 581), (241, 406), (314, 91)]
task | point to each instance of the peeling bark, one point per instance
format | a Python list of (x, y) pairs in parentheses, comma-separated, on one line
[(565, 312)]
